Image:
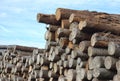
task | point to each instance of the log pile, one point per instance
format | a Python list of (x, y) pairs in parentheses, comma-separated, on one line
[(81, 46), (20, 63)]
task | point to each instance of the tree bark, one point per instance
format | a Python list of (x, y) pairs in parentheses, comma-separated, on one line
[(47, 18), (65, 24), (102, 39), (101, 22), (97, 51)]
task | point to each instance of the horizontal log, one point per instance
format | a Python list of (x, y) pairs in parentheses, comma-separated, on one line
[(110, 63), (71, 75), (116, 77), (118, 66), (68, 50), (77, 53), (89, 74), (64, 57), (36, 67), (103, 74), (43, 73), (97, 51), (72, 63), (83, 46), (63, 32), (66, 64), (63, 13), (65, 24), (101, 22), (53, 28), (62, 78), (51, 65), (60, 63), (44, 61), (55, 68), (114, 49), (81, 74), (61, 70), (98, 62), (54, 57), (49, 44), (71, 45), (53, 74), (78, 17), (73, 25), (47, 19), (90, 63), (79, 35), (59, 50), (102, 39), (63, 42)]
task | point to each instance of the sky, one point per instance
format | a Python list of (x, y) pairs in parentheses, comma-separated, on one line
[(18, 24)]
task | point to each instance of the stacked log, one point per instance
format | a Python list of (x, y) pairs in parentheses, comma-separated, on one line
[(81, 46)]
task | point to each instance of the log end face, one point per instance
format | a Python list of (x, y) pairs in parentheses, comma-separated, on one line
[(111, 48), (96, 73), (116, 77), (70, 75), (70, 63), (89, 74), (78, 61), (73, 34), (71, 18), (108, 62), (95, 79), (82, 46), (58, 14), (41, 73), (61, 78), (82, 25), (59, 32), (118, 66), (93, 39), (46, 36), (82, 73), (41, 60), (90, 51), (38, 17)]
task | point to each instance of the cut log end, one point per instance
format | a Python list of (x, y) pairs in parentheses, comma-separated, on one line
[(89, 74), (83, 46), (90, 51), (82, 24), (110, 62), (111, 48), (96, 73), (93, 39), (71, 18), (39, 16), (58, 14)]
